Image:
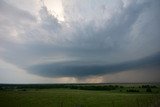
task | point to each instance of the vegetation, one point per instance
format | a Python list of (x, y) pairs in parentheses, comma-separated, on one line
[(79, 95), (132, 90), (148, 89)]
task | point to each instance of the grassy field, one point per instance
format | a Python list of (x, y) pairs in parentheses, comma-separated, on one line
[(78, 98)]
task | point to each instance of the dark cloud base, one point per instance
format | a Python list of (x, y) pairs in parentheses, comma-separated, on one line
[(68, 69)]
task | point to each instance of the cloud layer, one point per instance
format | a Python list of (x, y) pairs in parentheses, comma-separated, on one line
[(79, 69), (95, 38)]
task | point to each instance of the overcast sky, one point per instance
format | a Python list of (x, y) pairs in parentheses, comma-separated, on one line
[(72, 41)]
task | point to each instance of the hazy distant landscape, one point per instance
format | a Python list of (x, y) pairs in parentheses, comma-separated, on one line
[(80, 95)]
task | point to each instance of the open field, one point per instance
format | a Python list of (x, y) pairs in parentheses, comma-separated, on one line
[(66, 97)]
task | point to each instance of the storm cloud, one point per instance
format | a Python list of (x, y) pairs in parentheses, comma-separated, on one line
[(79, 38), (81, 69)]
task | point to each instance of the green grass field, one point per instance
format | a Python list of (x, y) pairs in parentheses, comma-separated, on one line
[(76, 98)]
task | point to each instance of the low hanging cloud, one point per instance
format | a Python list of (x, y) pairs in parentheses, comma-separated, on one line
[(95, 38), (79, 69)]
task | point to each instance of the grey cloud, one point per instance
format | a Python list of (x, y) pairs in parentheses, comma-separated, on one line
[(83, 69), (96, 38), (13, 22), (114, 37), (149, 74), (11, 13)]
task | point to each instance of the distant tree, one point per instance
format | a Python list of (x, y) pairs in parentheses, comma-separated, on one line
[(121, 86), (23, 90), (132, 90), (148, 89)]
